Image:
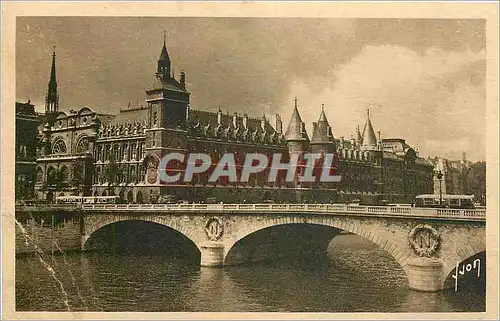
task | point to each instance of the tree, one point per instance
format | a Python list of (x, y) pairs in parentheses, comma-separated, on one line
[(58, 177), (476, 181), (113, 172), (78, 177)]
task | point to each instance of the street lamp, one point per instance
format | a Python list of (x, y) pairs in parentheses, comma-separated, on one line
[(439, 176)]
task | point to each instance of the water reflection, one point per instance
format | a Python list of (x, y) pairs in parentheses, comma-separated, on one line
[(355, 277)]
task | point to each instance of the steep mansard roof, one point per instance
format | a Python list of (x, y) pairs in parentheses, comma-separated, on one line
[(232, 127)]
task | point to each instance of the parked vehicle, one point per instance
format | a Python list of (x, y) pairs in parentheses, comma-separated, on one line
[(445, 201)]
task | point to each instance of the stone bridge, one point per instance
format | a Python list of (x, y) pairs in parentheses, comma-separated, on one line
[(426, 242)]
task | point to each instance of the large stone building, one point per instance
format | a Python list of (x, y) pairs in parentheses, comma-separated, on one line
[(460, 177), (89, 153), (27, 121)]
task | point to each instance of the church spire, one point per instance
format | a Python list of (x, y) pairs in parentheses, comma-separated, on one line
[(163, 70), (52, 98)]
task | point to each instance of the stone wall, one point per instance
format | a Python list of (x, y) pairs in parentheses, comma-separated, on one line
[(48, 237)]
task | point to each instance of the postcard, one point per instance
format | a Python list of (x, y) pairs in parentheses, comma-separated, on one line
[(270, 160)]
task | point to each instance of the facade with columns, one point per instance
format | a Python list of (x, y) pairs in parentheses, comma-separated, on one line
[(89, 153)]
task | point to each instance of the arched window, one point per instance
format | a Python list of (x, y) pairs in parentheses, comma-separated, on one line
[(59, 147), (132, 151), (39, 174), (64, 172), (132, 176), (83, 145), (130, 197), (50, 175), (116, 152), (139, 198), (97, 175)]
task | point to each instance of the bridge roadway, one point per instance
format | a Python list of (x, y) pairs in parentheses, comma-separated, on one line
[(338, 209), (427, 243)]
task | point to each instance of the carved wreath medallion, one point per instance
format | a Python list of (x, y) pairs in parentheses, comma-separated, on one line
[(424, 240), (152, 169), (214, 229)]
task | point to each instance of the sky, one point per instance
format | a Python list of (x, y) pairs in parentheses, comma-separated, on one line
[(423, 79)]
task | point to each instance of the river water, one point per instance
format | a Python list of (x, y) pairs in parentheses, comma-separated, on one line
[(355, 277)]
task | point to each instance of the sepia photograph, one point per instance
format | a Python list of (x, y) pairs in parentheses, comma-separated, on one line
[(250, 164)]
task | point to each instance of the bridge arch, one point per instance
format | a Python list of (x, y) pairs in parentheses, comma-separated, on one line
[(373, 233), (467, 250), (95, 223)]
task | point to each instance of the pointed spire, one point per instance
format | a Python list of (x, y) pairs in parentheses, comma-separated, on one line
[(369, 139), (295, 130), (53, 69), (359, 138), (164, 53), (322, 133), (52, 99), (322, 116), (163, 70)]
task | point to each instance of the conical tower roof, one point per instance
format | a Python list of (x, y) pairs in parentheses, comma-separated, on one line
[(369, 138), (322, 116), (163, 69), (359, 138), (296, 129), (164, 53), (322, 132)]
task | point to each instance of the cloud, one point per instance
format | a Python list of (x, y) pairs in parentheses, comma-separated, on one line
[(424, 98), (418, 75)]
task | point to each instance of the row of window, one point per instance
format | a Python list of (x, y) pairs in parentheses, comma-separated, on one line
[(120, 151), (125, 174)]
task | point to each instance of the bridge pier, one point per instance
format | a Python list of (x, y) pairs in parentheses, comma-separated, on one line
[(424, 274), (212, 254), (83, 239)]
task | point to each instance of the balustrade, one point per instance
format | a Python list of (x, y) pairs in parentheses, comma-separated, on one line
[(310, 208)]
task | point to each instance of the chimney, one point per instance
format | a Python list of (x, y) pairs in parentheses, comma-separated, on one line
[(182, 80), (235, 120), (219, 117), (245, 121), (279, 124), (263, 123), (341, 141)]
